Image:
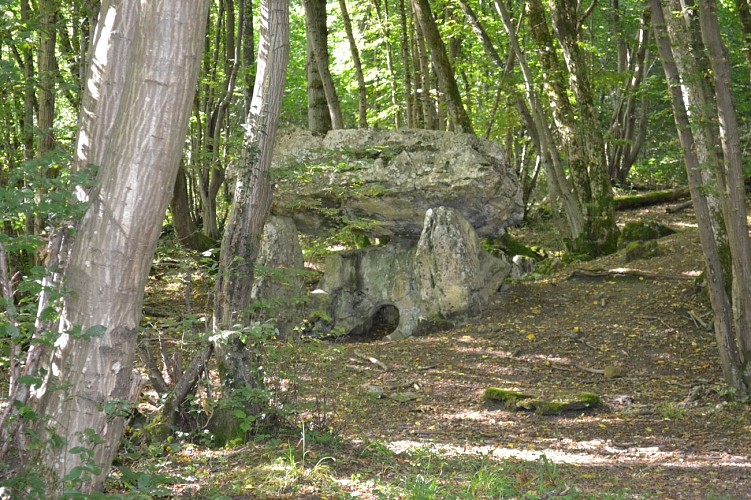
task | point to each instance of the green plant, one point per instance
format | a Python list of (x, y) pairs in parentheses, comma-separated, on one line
[(422, 488), (145, 484), (296, 471), (490, 482), (671, 411), (88, 469)]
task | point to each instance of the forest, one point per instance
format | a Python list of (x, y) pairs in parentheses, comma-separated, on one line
[(584, 330)]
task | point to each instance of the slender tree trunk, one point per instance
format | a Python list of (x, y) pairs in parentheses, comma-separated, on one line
[(628, 126), (47, 64), (577, 124), (319, 118), (712, 241), (87, 384), (252, 198), (362, 90), (29, 93), (731, 175), (744, 14), (602, 233), (442, 66), (248, 52), (425, 97), (537, 123), (382, 14), (185, 227), (409, 98), (315, 23)]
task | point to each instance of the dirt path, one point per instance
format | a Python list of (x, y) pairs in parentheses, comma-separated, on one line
[(664, 429)]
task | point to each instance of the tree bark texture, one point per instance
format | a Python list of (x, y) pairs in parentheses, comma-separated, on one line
[(319, 118), (442, 66), (252, 196), (712, 242), (47, 65), (315, 24), (577, 123), (362, 90), (186, 230), (731, 180), (409, 97), (560, 186), (88, 379)]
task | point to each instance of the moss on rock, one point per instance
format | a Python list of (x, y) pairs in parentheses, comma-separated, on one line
[(641, 250), (642, 231), (515, 400)]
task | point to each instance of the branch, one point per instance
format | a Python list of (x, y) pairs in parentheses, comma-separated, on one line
[(587, 13)]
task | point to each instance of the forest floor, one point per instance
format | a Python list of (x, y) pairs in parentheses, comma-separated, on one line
[(407, 419)]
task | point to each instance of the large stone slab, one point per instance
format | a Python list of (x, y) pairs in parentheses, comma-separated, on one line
[(385, 181), (445, 274)]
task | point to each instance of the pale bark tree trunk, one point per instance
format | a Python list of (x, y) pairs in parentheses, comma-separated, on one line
[(362, 90), (628, 125), (541, 132), (87, 378), (731, 181), (686, 89), (315, 24), (442, 66), (319, 118), (422, 79), (409, 98), (252, 198), (382, 14)]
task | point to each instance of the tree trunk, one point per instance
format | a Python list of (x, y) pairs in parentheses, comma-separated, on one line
[(185, 227), (315, 24), (588, 145), (537, 123), (628, 125), (252, 199), (422, 79), (29, 96), (732, 183), (442, 66), (382, 14), (712, 242), (47, 65), (248, 53), (578, 124), (87, 384), (409, 98), (319, 118), (744, 14), (362, 90)]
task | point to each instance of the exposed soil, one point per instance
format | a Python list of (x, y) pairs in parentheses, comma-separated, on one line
[(665, 429)]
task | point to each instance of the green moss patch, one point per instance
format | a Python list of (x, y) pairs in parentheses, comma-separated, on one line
[(642, 231), (519, 401)]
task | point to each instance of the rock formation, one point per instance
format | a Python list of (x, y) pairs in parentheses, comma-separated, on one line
[(396, 287), (387, 179), (427, 193)]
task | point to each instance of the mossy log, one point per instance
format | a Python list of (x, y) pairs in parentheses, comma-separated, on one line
[(516, 401), (650, 198)]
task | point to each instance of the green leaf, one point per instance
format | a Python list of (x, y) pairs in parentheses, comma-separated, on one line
[(30, 380)]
